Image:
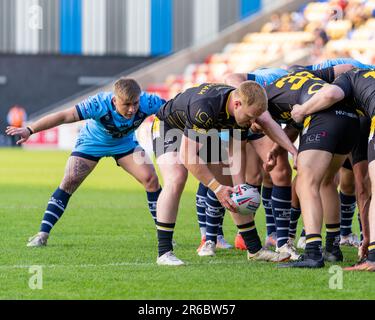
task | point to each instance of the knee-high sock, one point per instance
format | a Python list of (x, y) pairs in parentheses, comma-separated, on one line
[(281, 206), (348, 206), (294, 217), (214, 213), (332, 236), (267, 205), (165, 236), (360, 226), (250, 236), (201, 208), (55, 209), (220, 232), (314, 246), (152, 199)]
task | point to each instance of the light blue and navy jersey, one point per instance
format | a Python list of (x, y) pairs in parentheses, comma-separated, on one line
[(335, 62), (105, 125), (266, 76)]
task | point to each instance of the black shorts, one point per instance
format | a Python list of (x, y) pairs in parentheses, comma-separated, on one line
[(166, 139), (331, 130), (371, 142), (117, 157), (255, 136), (348, 165), (359, 152), (360, 149)]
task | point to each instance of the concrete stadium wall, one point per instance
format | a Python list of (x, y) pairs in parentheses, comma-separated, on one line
[(127, 27), (156, 73), (38, 81)]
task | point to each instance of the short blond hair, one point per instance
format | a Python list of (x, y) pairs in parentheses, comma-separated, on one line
[(252, 93), (126, 88)]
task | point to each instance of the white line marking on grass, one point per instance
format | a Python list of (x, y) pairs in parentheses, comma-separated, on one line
[(120, 264)]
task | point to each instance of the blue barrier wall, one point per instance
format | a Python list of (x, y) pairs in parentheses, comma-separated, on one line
[(121, 27)]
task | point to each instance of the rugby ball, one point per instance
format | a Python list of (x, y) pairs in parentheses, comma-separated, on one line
[(246, 198)]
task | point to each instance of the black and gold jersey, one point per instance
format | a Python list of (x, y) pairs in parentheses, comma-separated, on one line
[(201, 109), (359, 88), (295, 88)]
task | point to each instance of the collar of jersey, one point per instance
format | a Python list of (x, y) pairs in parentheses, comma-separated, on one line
[(227, 105)]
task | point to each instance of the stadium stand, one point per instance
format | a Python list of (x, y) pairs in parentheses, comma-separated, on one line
[(317, 31), (121, 34), (326, 29)]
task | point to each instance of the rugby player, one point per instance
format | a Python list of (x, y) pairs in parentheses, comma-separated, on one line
[(112, 119), (178, 131), (320, 155), (357, 87), (285, 209), (354, 171), (285, 216), (255, 172), (254, 177), (339, 61)]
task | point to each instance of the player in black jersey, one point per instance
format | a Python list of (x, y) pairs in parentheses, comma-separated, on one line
[(326, 141), (277, 200), (354, 180), (356, 87), (180, 133), (348, 174)]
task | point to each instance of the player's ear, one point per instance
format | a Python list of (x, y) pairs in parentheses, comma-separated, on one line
[(114, 100), (237, 104)]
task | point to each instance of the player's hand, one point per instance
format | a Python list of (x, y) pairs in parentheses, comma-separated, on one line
[(271, 162), (363, 249), (298, 113), (223, 195), (24, 133), (256, 128)]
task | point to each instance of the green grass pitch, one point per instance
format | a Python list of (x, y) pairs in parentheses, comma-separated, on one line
[(105, 245)]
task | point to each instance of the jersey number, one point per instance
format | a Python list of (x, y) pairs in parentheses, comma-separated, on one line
[(370, 74), (297, 80)]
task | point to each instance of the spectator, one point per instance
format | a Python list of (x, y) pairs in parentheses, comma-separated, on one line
[(16, 118), (321, 39), (273, 25)]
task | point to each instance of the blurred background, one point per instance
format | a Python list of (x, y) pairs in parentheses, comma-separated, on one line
[(54, 53)]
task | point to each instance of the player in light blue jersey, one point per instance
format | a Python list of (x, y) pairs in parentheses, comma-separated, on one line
[(338, 61), (332, 63), (109, 131), (263, 76)]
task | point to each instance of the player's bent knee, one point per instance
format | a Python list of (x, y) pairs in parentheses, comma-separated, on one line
[(328, 182), (70, 184), (347, 188), (255, 180), (307, 180), (282, 176), (176, 181), (151, 182), (267, 180)]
